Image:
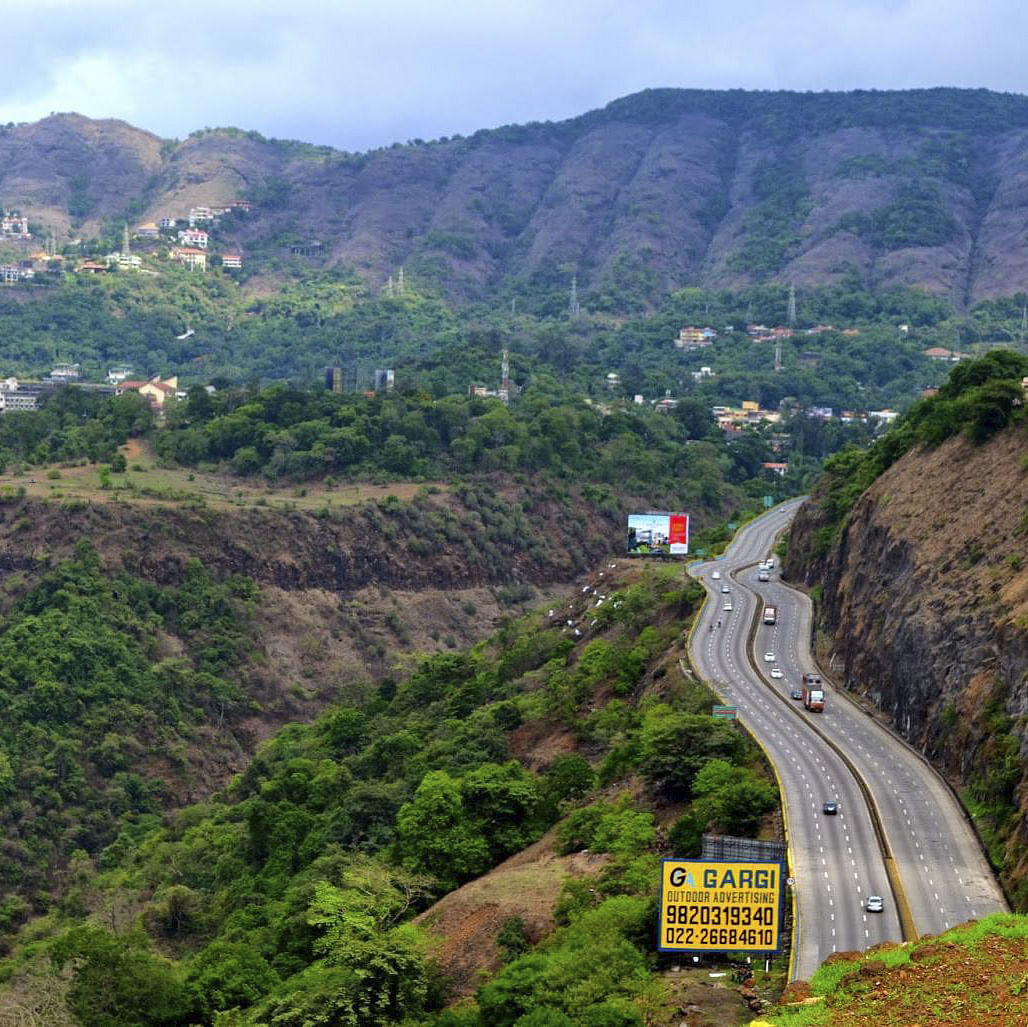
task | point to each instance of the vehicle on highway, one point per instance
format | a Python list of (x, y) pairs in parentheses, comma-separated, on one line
[(769, 657), (727, 607), (813, 693), (770, 562), (796, 693), (763, 575), (776, 672), (874, 904), (726, 589), (716, 575), (830, 808), (770, 615)]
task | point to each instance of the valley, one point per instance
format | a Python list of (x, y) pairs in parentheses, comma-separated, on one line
[(329, 693)]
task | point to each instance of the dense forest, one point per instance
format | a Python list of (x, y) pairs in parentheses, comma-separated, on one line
[(289, 897)]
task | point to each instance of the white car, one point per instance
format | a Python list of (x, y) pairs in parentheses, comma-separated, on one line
[(776, 672), (769, 657), (727, 607), (725, 589), (875, 904), (716, 575)]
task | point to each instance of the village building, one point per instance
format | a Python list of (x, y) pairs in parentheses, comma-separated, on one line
[(13, 225), (124, 261), (695, 338), (191, 258), (195, 237), (156, 391)]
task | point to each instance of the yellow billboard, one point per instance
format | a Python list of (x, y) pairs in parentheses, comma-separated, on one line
[(710, 905)]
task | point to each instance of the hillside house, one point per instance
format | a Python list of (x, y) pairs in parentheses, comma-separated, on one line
[(14, 397), (91, 267), (124, 261), (201, 216), (64, 373), (772, 467), (156, 391), (947, 355), (195, 237), (147, 231), (232, 261), (167, 224), (14, 226), (695, 338), (191, 258), (12, 273)]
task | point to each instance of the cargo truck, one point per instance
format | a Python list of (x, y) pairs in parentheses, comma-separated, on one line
[(770, 615), (813, 693)]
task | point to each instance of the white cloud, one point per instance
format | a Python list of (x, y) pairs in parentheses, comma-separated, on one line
[(356, 74)]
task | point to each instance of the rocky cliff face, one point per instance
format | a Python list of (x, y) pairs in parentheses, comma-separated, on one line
[(658, 190), (924, 612)]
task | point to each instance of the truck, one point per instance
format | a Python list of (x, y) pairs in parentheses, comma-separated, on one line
[(770, 615), (813, 693)]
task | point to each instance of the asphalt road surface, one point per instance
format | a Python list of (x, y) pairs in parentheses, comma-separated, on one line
[(836, 861)]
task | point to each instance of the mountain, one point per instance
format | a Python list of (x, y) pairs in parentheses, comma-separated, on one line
[(657, 190)]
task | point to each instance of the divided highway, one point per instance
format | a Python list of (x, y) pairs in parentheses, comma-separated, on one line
[(836, 861)]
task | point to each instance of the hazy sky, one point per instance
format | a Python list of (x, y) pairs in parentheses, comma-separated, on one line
[(355, 74)]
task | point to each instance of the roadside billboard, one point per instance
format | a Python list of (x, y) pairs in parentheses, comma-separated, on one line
[(658, 534), (719, 906)]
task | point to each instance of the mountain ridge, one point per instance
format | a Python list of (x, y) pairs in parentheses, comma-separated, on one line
[(657, 190)]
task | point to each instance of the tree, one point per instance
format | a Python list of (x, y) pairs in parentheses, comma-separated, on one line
[(674, 746), (115, 980), (435, 834)]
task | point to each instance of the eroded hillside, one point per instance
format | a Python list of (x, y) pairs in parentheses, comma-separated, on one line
[(657, 190)]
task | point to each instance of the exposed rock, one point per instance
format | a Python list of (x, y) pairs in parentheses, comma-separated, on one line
[(925, 612)]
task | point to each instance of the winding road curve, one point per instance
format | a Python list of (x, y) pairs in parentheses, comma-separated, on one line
[(836, 861)]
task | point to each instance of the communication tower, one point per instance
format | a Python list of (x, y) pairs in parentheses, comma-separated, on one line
[(505, 377)]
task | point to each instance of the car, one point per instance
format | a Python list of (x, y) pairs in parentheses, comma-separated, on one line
[(830, 808), (796, 693), (764, 575), (725, 589), (727, 607), (776, 672), (770, 563), (874, 904), (716, 575), (769, 657)]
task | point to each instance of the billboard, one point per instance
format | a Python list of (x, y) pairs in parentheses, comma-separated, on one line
[(719, 906), (658, 534)]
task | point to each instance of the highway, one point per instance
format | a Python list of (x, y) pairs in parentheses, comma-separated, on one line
[(836, 861)]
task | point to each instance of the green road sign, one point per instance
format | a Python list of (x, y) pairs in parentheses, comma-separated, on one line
[(768, 502)]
